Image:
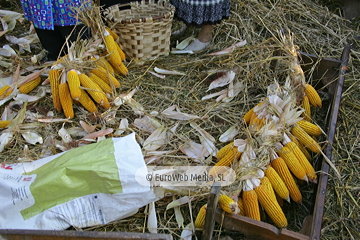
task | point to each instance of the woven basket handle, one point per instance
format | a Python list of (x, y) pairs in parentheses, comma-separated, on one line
[(114, 13)]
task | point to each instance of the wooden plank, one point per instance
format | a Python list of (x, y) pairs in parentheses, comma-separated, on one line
[(323, 179), (212, 203), (255, 229), (16, 234)]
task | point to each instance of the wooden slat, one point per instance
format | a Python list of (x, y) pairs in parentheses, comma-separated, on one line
[(16, 234), (212, 203), (255, 229), (323, 179)]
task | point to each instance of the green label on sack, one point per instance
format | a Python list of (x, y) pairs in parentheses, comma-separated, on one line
[(81, 171)]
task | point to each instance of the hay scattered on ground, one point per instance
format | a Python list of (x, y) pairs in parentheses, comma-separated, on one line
[(317, 31)]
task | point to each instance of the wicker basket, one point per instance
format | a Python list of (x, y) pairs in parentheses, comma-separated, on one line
[(144, 29)]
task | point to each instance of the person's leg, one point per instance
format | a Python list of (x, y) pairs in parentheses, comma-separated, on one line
[(205, 34), (74, 32), (52, 42)]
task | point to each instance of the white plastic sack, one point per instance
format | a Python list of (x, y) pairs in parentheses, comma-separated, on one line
[(86, 186)]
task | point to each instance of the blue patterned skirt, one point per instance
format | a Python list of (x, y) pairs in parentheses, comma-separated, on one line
[(200, 12)]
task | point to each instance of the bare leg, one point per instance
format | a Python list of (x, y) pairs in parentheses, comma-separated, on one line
[(205, 34)]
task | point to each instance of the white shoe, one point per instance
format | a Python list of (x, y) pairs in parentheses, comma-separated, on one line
[(197, 45)]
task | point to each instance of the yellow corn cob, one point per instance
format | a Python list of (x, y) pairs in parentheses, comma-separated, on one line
[(277, 183), (226, 161), (29, 86), (4, 123), (305, 139), (310, 171), (114, 56), (224, 150), (66, 100), (106, 77), (310, 128), (281, 168), (228, 204), (251, 204), (112, 33), (266, 182), (121, 69), (293, 163), (302, 148), (87, 102), (313, 96), (256, 123), (240, 203), (92, 88), (121, 53), (103, 63), (54, 77), (74, 84), (248, 115), (200, 218), (105, 104), (306, 106), (271, 206), (102, 84), (5, 91)]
